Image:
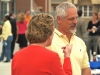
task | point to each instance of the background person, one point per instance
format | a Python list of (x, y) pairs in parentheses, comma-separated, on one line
[(0, 26), (21, 29), (14, 32), (81, 27), (0, 29), (99, 16), (66, 17), (36, 59), (7, 39), (98, 52), (92, 34), (28, 15)]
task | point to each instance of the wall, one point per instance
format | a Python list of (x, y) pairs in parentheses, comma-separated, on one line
[(22, 5), (84, 2), (40, 3)]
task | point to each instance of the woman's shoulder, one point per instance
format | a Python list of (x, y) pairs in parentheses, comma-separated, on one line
[(25, 21), (7, 22), (51, 53)]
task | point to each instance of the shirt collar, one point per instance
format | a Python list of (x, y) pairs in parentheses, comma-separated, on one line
[(59, 33)]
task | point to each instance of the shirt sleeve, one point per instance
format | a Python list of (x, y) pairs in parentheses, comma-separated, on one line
[(5, 31), (67, 66), (89, 25), (85, 61), (58, 69)]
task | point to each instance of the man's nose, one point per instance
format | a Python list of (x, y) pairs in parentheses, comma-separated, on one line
[(75, 21)]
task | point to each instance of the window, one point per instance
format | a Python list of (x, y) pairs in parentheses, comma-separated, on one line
[(54, 6), (4, 9), (87, 11)]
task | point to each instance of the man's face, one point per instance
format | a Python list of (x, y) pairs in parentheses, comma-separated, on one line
[(14, 15), (99, 15), (27, 13), (68, 24)]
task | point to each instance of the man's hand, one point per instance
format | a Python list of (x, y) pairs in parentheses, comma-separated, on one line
[(67, 50)]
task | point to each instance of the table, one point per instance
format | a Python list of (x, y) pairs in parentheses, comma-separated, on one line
[(95, 67), (95, 64), (95, 71)]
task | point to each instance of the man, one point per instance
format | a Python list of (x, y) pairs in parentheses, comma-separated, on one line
[(14, 32), (35, 59), (99, 33), (0, 29), (28, 16), (81, 27), (0, 26), (99, 15), (66, 16)]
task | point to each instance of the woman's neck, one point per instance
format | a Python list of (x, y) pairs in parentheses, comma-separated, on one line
[(39, 44), (94, 21)]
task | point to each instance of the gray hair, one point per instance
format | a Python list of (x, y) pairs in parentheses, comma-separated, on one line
[(61, 9)]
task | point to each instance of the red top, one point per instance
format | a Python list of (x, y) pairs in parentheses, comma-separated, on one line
[(37, 60), (22, 27)]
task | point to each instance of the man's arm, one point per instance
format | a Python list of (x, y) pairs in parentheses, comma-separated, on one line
[(86, 71), (0, 26), (84, 30), (85, 63)]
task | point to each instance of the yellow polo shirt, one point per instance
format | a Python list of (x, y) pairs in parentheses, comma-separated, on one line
[(79, 57), (6, 30)]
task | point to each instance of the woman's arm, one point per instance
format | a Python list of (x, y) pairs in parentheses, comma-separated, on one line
[(67, 66), (17, 32), (58, 69), (66, 69)]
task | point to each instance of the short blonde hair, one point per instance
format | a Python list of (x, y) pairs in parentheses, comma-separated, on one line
[(21, 17), (40, 28)]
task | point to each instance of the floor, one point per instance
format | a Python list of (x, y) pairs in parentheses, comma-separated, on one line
[(5, 68)]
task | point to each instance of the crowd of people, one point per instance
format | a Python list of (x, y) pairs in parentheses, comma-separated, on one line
[(92, 40), (13, 31), (51, 51)]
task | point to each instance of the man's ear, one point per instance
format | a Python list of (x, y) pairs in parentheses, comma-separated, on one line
[(58, 19)]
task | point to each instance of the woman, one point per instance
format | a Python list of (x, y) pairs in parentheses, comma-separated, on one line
[(36, 59), (21, 29), (93, 35), (7, 39)]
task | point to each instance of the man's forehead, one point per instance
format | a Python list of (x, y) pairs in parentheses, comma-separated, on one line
[(72, 13)]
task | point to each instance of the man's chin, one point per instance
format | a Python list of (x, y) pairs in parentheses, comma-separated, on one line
[(73, 31)]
